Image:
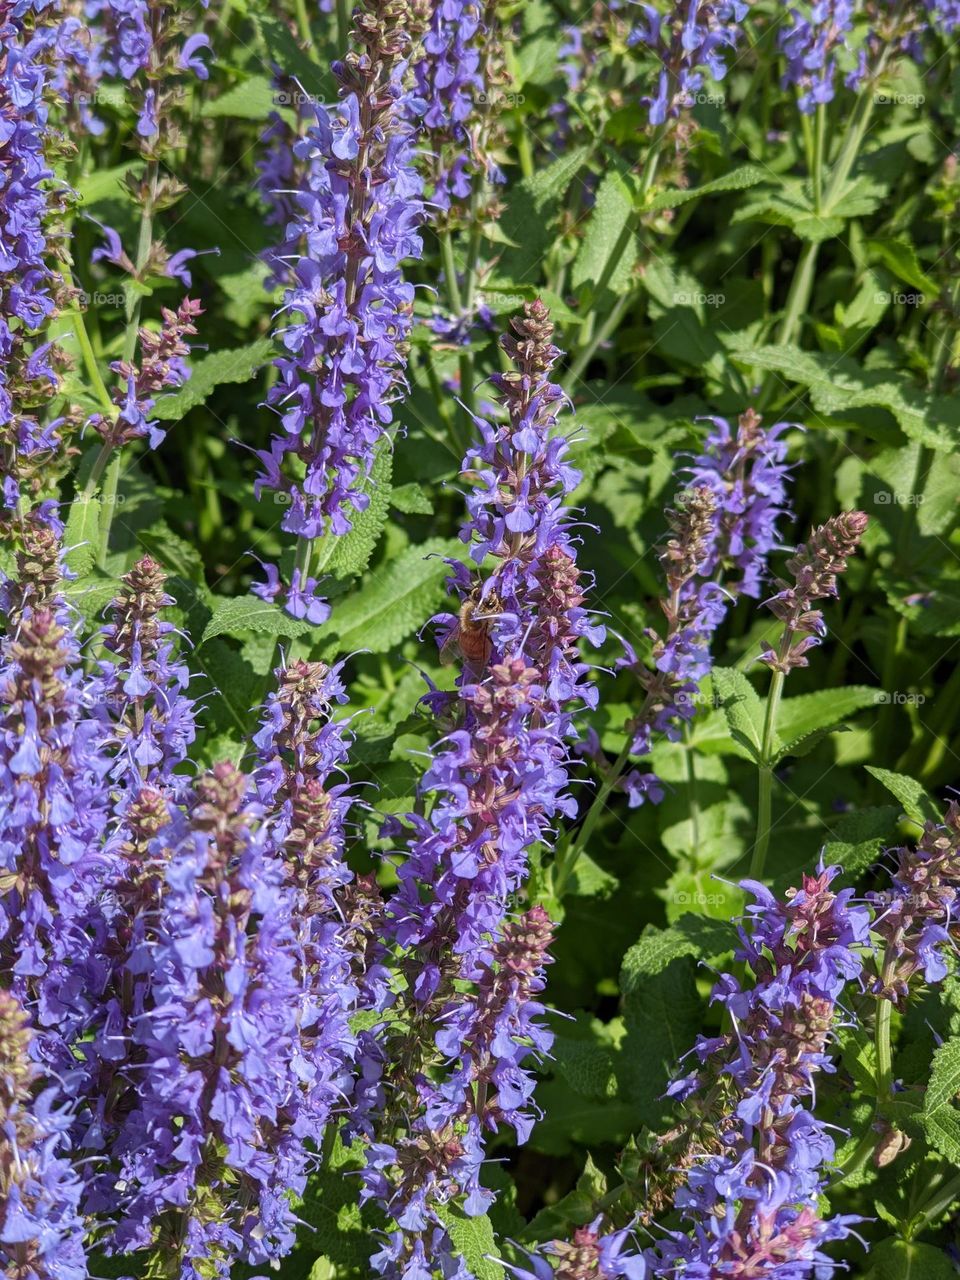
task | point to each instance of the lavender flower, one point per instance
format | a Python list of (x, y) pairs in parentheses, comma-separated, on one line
[(498, 781), (162, 368), (350, 308), (213, 1144), (301, 751), (747, 472), (815, 567), (591, 1253), (142, 693), (750, 1156), (52, 818), (810, 45), (41, 1230), (723, 530), (29, 375), (915, 915), (687, 42)]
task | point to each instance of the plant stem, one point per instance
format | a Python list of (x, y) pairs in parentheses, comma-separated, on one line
[(938, 1202), (765, 777), (567, 855), (86, 350)]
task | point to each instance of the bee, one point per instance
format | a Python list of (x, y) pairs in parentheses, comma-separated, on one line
[(469, 638)]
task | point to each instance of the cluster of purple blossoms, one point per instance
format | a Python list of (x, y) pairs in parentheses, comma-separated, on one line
[(449, 75), (815, 567), (142, 43), (915, 915), (162, 368), (810, 42), (142, 691), (41, 1230), (590, 1252), (350, 308), (751, 1160), (301, 753), (689, 40), (28, 288), (723, 531), (207, 1139), (53, 810), (498, 782)]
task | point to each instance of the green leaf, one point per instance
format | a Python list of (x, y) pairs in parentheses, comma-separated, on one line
[(588, 1064), (100, 186), (82, 535), (348, 554), (530, 209), (577, 1208), (838, 384), (254, 99), (917, 804), (748, 175), (247, 613), (810, 715), (698, 936), (941, 1118), (331, 1210), (396, 599), (741, 706), (608, 252), (860, 838), (291, 61), (900, 257), (474, 1240), (897, 1259), (238, 364), (411, 499)]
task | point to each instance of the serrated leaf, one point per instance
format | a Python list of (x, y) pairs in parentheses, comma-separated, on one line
[(941, 1116), (917, 804), (747, 175), (838, 384), (82, 535), (577, 1208), (587, 1061), (900, 257), (810, 715), (237, 364), (662, 1013), (347, 554), (474, 1241), (411, 499), (608, 252), (395, 600), (247, 613), (698, 936), (860, 838), (742, 707)]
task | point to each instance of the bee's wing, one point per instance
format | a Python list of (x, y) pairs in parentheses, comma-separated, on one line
[(450, 651)]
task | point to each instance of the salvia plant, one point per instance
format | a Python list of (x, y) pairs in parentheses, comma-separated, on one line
[(479, 593)]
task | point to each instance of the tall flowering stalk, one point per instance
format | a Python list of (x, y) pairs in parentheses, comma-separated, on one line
[(688, 40), (457, 1052), (210, 1143), (142, 687), (30, 447), (722, 533), (350, 310), (41, 1230), (748, 1161), (815, 567), (53, 865), (300, 779)]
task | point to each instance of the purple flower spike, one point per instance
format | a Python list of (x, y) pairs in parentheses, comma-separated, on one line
[(348, 311), (41, 1229), (747, 1162), (691, 40)]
